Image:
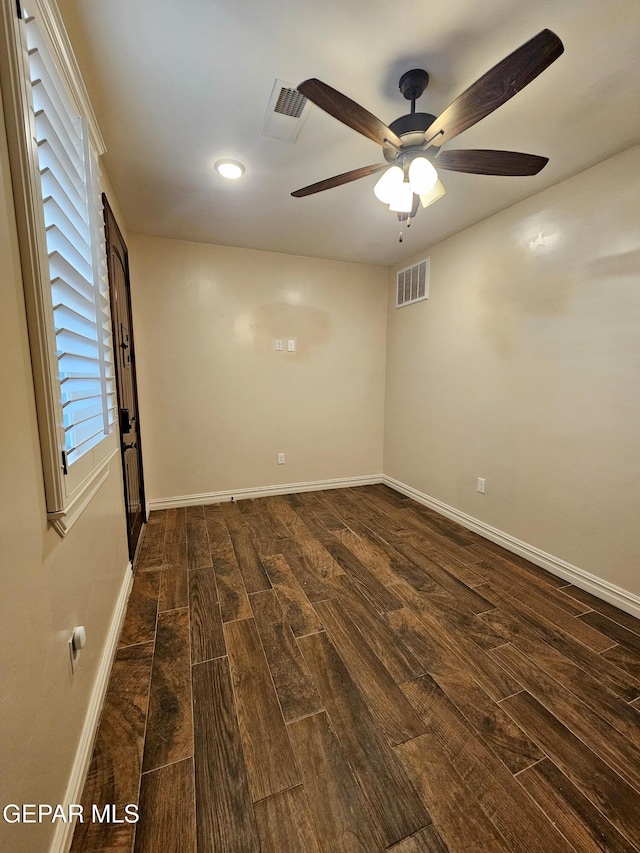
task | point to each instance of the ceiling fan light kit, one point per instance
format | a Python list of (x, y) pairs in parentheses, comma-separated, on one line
[(393, 188), (413, 141)]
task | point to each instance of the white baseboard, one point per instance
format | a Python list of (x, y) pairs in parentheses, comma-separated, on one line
[(615, 595), (64, 831), (263, 492)]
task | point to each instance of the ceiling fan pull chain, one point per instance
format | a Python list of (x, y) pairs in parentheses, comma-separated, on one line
[(400, 238)]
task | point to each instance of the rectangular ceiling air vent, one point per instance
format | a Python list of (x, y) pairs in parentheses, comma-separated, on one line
[(290, 102), (413, 284), (285, 112)]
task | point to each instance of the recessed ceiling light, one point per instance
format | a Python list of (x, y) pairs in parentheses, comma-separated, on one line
[(229, 169)]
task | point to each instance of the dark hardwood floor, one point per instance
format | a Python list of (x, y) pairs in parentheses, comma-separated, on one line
[(345, 671)]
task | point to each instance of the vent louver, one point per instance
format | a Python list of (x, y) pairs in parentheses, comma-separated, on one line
[(413, 284), (285, 113), (290, 103)]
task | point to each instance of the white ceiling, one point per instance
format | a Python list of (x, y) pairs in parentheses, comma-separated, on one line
[(178, 84)]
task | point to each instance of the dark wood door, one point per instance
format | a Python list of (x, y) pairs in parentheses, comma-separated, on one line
[(127, 390)]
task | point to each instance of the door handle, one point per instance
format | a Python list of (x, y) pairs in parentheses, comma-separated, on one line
[(129, 446), (125, 421)]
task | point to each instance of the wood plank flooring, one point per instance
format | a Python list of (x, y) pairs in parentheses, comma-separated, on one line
[(347, 671)]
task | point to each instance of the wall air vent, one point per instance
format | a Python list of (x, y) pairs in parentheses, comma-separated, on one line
[(413, 284), (285, 112)]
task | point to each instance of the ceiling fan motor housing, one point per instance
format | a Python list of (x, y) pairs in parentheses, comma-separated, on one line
[(410, 129)]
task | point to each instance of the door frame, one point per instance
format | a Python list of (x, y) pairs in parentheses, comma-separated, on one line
[(110, 222)]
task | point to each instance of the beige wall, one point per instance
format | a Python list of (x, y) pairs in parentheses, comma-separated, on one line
[(523, 367), (47, 585), (218, 402)]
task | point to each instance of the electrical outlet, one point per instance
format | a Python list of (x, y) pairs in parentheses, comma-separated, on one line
[(280, 458), (279, 345), (481, 485)]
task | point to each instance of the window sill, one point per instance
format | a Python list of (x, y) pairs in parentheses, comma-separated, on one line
[(63, 521)]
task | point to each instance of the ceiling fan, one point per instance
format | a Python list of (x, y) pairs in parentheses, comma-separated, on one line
[(412, 144)]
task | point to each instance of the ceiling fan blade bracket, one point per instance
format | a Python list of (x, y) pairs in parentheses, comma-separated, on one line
[(392, 145), (431, 139)]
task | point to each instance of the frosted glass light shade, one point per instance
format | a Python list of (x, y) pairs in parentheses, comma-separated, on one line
[(389, 184), (231, 169), (433, 195), (422, 175), (402, 200)]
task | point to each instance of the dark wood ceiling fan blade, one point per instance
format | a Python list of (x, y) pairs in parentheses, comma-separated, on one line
[(477, 161), (496, 87), (338, 180), (347, 111)]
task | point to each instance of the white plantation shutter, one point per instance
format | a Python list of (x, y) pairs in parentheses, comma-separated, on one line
[(77, 264), (55, 144)]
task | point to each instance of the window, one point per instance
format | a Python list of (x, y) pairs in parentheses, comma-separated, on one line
[(55, 172)]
